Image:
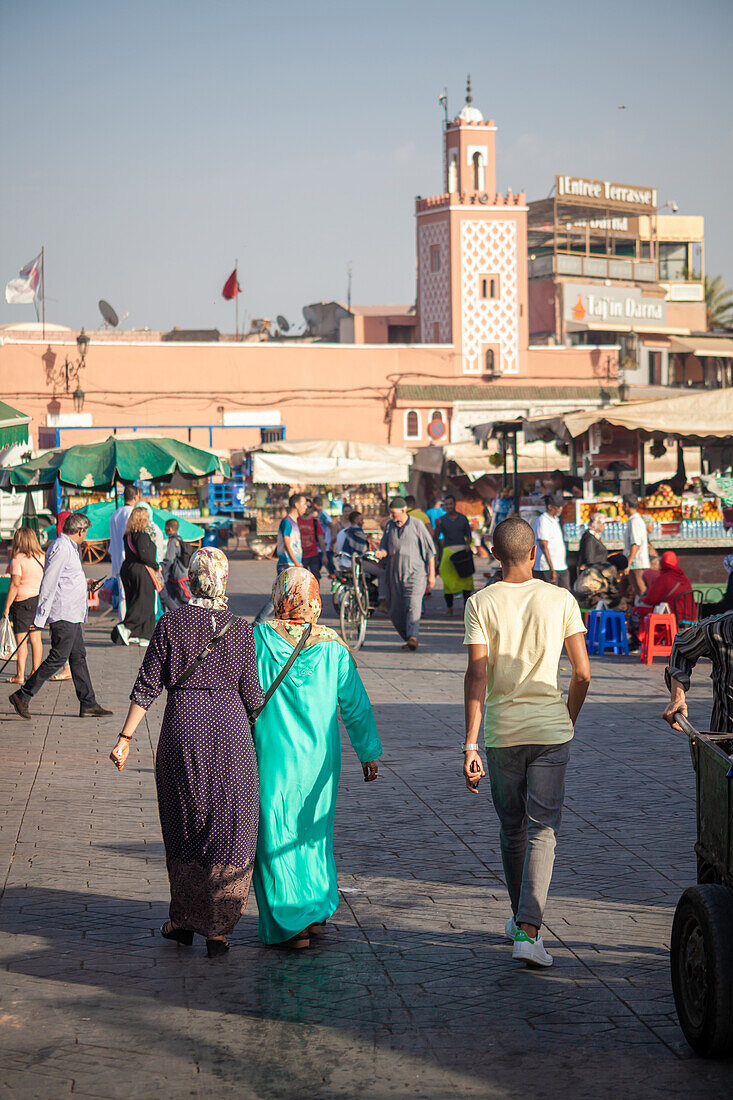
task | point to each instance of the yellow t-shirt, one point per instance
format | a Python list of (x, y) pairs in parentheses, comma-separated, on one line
[(417, 513), (524, 627)]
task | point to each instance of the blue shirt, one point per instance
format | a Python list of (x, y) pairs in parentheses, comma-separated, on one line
[(63, 594), (435, 513), (288, 529)]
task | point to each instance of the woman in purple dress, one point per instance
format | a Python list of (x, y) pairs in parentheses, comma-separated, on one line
[(205, 766)]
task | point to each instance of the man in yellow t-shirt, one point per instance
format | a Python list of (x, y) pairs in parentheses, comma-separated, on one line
[(515, 633)]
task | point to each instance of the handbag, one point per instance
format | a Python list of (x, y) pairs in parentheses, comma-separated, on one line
[(281, 674), (156, 577), (7, 640), (462, 561)]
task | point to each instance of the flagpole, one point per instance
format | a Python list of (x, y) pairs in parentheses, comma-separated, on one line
[(236, 300), (43, 291)]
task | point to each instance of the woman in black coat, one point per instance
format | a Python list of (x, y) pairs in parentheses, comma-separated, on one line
[(591, 550), (137, 572)]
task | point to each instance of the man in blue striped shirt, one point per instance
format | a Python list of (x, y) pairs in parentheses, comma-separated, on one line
[(711, 638), (62, 604)]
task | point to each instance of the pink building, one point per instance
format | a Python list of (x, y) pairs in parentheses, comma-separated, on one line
[(398, 373)]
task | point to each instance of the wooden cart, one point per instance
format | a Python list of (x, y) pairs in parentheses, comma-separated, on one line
[(701, 951)]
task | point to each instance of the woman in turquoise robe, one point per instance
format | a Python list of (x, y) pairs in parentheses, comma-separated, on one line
[(298, 745)]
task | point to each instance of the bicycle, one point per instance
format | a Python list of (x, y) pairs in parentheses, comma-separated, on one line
[(355, 597)]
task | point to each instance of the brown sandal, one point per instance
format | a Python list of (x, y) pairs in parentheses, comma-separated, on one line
[(297, 943), (317, 929)]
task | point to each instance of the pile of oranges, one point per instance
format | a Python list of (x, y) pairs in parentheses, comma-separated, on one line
[(664, 504)]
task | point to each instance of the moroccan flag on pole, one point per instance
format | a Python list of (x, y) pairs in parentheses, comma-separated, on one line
[(24, 291), (231, 286)]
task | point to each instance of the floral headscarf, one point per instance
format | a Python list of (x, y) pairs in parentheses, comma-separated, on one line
[(728, 563), (208, 572), (296, 598)]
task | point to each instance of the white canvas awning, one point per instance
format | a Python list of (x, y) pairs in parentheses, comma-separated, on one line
[(704, 414), (719, 347), (473, 459), (329, 462)]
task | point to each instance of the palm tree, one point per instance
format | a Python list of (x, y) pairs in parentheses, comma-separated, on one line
[(718, 304)]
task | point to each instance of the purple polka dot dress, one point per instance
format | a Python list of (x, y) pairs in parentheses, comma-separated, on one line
[(205, 766)]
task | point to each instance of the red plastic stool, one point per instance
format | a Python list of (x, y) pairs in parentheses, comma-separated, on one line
[(657, 636)]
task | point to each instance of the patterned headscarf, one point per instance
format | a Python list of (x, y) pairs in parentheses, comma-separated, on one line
[(296, 598), (728, 563), (208, 572)]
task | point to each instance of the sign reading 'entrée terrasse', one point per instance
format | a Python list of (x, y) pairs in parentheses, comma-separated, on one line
[(578, 188)]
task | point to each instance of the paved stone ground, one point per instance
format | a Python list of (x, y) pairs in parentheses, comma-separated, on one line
[(413, 992)]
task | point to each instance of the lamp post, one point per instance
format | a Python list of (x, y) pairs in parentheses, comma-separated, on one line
[(71, 370)]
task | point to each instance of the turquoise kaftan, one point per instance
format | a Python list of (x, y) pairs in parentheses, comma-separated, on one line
[(298, 745)]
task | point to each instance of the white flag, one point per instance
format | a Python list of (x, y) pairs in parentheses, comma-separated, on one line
[(24, 291)]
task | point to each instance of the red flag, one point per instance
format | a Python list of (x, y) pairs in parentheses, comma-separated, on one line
[(231, 286)]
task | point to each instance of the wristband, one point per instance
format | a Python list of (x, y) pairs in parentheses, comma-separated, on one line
[(469, 748), (124, 736)]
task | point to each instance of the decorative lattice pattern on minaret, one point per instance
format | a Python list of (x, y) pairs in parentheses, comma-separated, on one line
[(434, 304), (489, 247)]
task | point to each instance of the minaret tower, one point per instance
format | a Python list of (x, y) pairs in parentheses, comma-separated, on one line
[(472, 256)]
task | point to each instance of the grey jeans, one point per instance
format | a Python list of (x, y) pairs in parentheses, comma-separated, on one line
[(528, 789)]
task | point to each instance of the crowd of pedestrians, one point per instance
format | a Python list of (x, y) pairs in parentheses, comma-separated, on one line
[(248, 758)]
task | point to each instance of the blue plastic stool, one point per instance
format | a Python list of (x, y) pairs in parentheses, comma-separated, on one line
[(607, 630)]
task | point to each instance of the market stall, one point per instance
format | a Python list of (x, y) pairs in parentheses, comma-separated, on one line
[(359, 475), (608, 450), (173, 476)]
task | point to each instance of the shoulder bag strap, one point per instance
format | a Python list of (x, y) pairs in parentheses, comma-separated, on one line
[(282, 673), (188, 673)]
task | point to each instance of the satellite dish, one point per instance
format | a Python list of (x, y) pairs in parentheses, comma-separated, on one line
[(110, 317), (282, 323)]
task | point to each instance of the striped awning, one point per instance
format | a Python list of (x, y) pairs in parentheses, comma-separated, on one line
[(13, 426)]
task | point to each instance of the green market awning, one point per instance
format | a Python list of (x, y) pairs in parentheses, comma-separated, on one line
[(101, 513), (13, 426), (126, 459)]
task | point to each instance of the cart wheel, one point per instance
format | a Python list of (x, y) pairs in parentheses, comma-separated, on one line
[(353, 621), (701, 958)]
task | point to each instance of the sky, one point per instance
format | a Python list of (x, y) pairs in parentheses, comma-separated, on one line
[(149, 145)]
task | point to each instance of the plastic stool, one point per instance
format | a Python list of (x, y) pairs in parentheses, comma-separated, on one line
[(657, 636), (607, 630)]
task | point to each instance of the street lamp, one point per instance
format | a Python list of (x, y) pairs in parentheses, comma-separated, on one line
[(78, 398)]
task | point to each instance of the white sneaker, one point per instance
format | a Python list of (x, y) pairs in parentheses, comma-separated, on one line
[(510, 929), (532, 952)]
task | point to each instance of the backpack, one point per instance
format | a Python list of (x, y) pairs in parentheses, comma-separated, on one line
[(186, 552)]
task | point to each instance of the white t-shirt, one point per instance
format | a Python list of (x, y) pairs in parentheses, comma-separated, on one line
[(547, 529), (117, 524), (524, 627), (635, 534)]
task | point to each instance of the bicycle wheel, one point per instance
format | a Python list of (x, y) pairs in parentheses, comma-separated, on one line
[(353, 621), (361, 590)]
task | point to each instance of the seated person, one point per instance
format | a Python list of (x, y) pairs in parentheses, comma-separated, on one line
[(605, 582), (592, 550), (670, 585)]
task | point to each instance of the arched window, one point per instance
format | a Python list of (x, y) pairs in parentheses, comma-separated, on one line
[(478, 171), (412, 424), (437, 414), (489, 361)]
